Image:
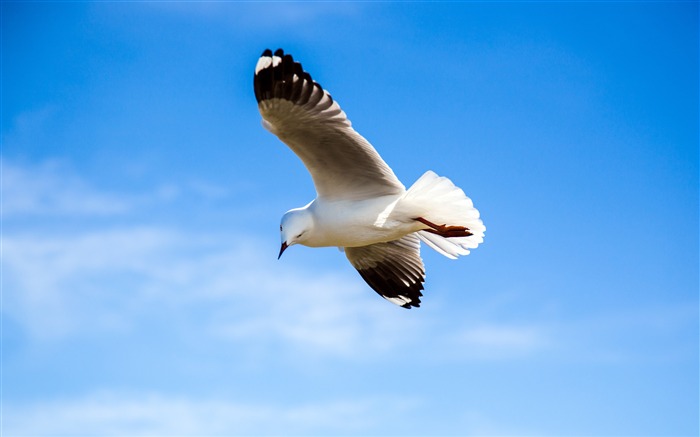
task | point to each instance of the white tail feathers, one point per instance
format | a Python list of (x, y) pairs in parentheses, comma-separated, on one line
[(438, 200)]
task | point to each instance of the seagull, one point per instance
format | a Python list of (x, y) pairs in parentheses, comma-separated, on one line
[(361, 207)]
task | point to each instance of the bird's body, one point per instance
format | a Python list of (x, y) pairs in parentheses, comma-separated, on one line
[(361, 206), (346, 223)]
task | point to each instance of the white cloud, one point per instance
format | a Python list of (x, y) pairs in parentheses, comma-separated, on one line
[(62, 285), (56, 285), (134, 414), (109, 278), (116, 280), (106, 277), (614, 335), (501, 341), (52, 188)]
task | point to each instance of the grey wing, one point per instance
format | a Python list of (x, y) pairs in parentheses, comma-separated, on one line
[(304, 116), (393, 269)]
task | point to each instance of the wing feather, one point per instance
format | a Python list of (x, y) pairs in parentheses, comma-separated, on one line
[(393, 269), (342, 163)]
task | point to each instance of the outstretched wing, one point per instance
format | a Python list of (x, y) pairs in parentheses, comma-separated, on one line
[(393, 269), (303, 115)]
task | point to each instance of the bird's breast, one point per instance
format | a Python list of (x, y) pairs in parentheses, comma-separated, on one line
[(355, 223)]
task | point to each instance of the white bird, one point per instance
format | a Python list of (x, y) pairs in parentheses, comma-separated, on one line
[(361, 207)]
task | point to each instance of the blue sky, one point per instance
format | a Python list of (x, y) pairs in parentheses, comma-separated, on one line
[(141, 198)]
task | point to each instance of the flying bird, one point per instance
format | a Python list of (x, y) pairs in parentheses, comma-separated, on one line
[(361, 206)]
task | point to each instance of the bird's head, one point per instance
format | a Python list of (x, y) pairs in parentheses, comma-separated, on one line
[(295, 228)]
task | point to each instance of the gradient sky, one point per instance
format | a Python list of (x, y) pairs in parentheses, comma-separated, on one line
[(141, 200)]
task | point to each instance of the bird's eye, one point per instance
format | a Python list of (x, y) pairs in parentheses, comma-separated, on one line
[(280, 228), (300, 235)]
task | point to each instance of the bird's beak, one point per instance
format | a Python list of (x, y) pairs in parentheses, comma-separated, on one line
[(282, 249)]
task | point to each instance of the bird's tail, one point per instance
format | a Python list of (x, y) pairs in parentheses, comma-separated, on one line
[(437, 201)]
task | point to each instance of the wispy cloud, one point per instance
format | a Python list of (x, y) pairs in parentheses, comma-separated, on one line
[(56, 285), (113, 278), (110, 413), (619, 336), (110, 277), (492, 341), (53, 189)]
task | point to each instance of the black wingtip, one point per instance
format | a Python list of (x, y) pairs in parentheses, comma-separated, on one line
[(392, 289), (415, 303), (274, 78)]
